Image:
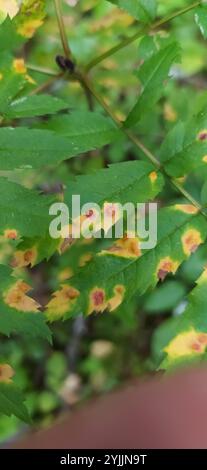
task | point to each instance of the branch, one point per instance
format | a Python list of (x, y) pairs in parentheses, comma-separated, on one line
[(139, 34), (61, 25)]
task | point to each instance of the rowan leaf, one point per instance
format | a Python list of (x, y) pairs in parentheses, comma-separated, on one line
[(124, 269), (152, 75), (12, 402), (23, 212), (19, 312), (143, 10), (189, 149), (189, 341), (34, 148), (36, 105)]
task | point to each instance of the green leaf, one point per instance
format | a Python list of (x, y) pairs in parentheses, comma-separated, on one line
[(12, 402), (18, 312), (152, 75), (36, 105), (11, 82), (189, 341), (143, 10), (185, 147), (118, 273), (165, 298), (23, 211), (201, 19), (34, 148), (120, 182)]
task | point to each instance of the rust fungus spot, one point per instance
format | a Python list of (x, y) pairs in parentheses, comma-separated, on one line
[(97, 301), (62, 302), (16, 298), (186, 344), (204, 159), (186, 208), (6, 373), (191, 241), (117, 299), (166, 266), (65, 274), (28, 28), (125, 247), (153, 176), (24, 258), (84, 259), (19, 66), (202, 135), (11, 234)]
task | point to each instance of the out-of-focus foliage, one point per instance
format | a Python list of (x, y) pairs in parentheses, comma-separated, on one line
[(56, 140)]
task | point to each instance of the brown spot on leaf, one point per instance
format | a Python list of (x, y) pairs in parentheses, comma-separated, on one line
[(153, 176), (166, 266), (202, 135), (24, 258), (191, 241), (16, 298), (11, 234), (6, 373), (97, 301), (62, 302), (125, 247), (186, 208)]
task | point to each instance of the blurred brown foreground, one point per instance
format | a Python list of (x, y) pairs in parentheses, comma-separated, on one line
[(168, 412)]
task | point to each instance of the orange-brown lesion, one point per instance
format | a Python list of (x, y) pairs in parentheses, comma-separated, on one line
[(23, 258), (125, 247), (97, 300), (166, 265), (11, 234), (6, 373), (153, 176), (191, 240), (188, 343), (15, 297), (62, 302), (186, 208)]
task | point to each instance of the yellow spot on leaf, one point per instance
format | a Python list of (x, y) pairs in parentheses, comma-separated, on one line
[(19, 66), (203, 278), (186, 208), (97, 301), (1, 76), (24, 258), (117, 299), (153, 176), (16, 298), (28, 28), (191, 241), (204, 159), (125, 247), (62, 302), (11, 234), (6, 373), (65, 274), (166, 266), (84, 259), (169, 113), (187, 344)]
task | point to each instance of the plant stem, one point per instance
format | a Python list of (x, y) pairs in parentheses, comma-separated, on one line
[(44, 86), (44, 71), (138, 34), (61, 25), (140, 145)]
